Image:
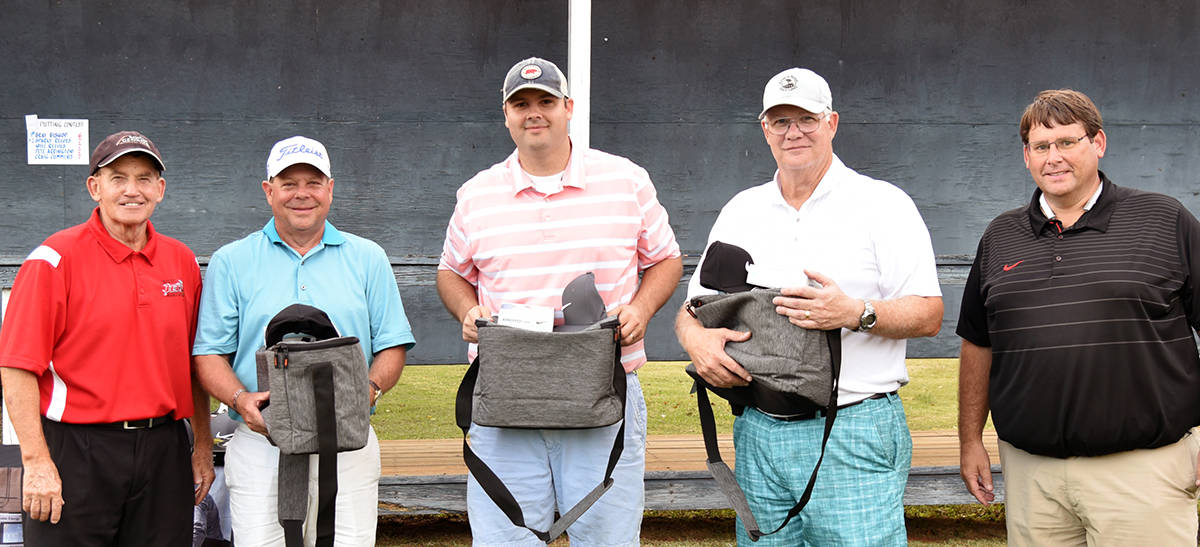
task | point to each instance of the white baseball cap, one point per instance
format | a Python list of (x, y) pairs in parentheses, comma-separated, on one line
[(293, 150), (797, 87)]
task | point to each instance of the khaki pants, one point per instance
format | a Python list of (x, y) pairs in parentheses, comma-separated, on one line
[(1137, 497)]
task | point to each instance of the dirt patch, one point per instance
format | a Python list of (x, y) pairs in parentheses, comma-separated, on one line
[(930, 524)]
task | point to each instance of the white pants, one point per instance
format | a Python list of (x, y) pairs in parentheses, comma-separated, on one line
[(252, 476)]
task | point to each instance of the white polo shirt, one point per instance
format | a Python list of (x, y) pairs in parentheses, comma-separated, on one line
[(865, 234)]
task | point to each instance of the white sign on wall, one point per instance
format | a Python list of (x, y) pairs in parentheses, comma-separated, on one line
[(56, 142)]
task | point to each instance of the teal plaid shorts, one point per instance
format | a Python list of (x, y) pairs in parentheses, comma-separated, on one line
[(859, 495)]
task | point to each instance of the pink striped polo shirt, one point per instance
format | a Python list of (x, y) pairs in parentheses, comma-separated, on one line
[(517, 245)]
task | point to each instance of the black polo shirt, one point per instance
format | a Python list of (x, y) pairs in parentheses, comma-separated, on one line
[(1090, 326)]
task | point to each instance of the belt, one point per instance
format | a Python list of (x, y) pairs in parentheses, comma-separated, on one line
[(146, 423), (820, 412)]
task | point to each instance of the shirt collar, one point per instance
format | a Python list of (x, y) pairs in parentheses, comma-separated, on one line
[(1045, 205), (1096, 213), (331, 236), (824, 187), (573, 176), (116, 250)]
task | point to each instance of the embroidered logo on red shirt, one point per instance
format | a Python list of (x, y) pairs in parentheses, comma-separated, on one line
[(173, 288), (1008, 267)]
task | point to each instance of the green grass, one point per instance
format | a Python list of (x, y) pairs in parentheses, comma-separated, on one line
[(421, 406)]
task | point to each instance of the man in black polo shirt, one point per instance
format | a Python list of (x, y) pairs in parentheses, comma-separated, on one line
[(1077, 323)]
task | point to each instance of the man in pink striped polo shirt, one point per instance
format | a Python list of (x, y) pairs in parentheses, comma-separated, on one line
[(522, 230)]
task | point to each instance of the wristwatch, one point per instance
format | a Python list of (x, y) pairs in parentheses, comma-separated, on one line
[(867, 321)]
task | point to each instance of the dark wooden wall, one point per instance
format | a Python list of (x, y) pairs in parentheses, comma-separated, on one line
[(405, 95)]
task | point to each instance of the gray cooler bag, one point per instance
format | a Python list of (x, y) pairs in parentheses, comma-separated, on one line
[(547, 380), (795, 374), (543, 380), (319, 405)]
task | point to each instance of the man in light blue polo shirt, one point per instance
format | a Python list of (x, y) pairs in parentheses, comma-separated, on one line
[(298, 257)]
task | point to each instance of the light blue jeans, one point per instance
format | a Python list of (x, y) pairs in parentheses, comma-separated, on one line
[(859, 495), (548, 469)]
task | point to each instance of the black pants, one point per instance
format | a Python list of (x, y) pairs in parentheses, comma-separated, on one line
[(120, 487)]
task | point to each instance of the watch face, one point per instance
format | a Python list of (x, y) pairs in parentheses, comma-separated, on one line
[(868, 317)]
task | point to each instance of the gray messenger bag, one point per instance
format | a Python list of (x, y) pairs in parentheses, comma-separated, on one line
[(795, 371), (568, 379), (319, 405)]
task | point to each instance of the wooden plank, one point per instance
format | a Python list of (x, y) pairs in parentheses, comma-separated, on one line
[(663, 453), (943, 486), (665, 490), (428, 476)]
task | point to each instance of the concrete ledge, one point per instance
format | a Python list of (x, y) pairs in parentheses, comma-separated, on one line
[(665, 490)]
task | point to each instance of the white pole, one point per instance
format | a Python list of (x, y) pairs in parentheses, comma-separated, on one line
[(579, 63)]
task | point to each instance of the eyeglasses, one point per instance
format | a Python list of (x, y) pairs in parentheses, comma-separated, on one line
[(1064, 144), (806, 124)]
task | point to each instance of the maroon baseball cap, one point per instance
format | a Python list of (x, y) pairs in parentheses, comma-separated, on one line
[(121, 143)]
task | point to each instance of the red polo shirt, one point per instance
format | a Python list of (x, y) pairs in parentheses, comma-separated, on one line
[(108, 330)]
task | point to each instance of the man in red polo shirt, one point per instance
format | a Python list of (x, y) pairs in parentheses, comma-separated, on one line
[(97, 340)]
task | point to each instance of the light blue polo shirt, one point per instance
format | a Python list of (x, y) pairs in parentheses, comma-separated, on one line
[(250, 280)]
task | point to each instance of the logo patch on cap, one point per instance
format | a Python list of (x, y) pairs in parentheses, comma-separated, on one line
[(531, 72), (133, 138), (788, 83)]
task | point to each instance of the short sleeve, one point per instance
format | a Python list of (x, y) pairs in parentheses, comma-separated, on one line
[(972, 315), (1189, 253), (456, 249), (217, 327), (904, 251), (36, 313), (389, 324), (656, 240)]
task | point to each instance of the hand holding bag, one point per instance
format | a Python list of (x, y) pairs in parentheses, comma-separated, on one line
[(319, 405), (569, 379), (794, 371)]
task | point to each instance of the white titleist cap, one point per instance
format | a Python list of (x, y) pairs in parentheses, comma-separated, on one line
[(797, 87), (293, 150)]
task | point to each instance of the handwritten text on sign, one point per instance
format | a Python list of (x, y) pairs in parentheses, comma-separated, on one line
[(56, 142)]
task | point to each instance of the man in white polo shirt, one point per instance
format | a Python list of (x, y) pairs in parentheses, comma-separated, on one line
[(522, 230), (864, 241)]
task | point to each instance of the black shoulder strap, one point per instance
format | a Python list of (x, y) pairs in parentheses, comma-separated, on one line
[(296, 470), (724, 476), (495, 488)]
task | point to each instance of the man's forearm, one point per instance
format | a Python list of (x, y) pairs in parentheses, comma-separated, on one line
[(387, 366), (200, 415), (457, 294), (24, 409), (685, 325), (658, 284), (975, 364), (907, 317), (217, 378)]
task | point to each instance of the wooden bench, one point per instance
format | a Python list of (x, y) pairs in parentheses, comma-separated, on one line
[(428, 476)]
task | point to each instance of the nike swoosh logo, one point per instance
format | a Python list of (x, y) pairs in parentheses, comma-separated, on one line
[(1008, 267)]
